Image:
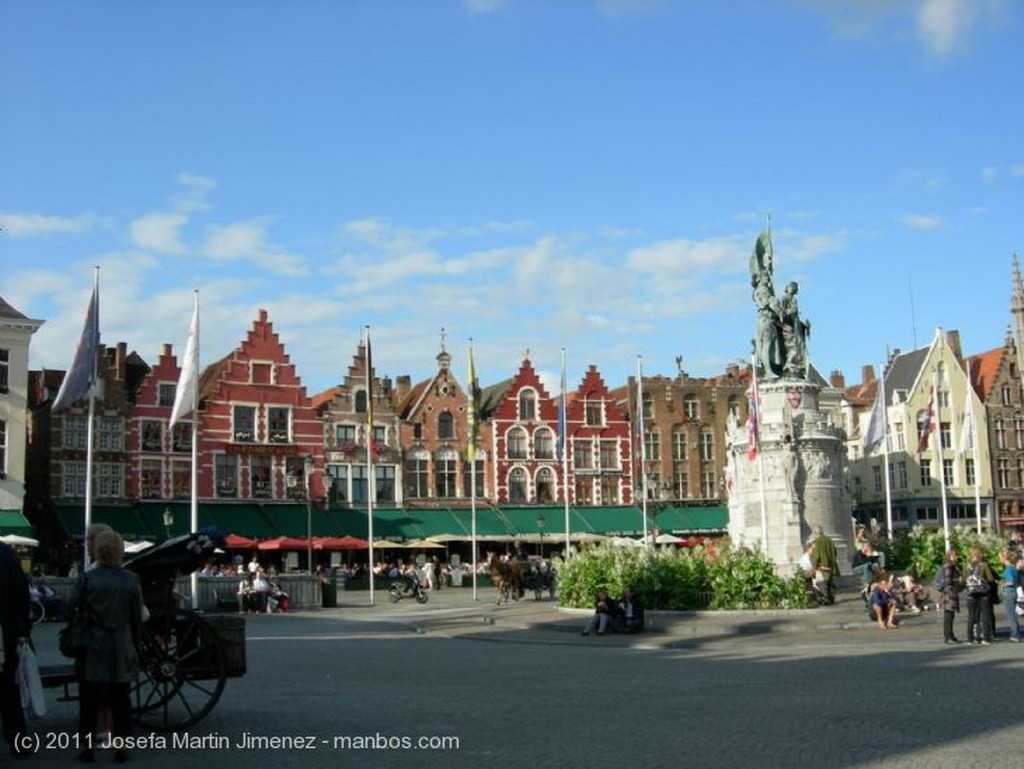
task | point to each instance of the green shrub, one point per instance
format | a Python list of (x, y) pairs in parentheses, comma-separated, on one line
[(716, 577)]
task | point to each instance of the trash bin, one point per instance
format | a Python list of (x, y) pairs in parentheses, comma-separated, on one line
[(329, 593), (457, 578)]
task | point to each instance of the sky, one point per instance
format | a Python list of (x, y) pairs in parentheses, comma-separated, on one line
[(534, 175)]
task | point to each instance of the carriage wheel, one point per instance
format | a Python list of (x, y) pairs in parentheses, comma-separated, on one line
[(181, 671)]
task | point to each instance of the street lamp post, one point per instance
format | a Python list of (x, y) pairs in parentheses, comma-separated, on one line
[(307, 469), (168, 522), (540, 528)]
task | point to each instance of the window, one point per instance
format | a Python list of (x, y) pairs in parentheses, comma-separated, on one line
[(277, 424), (527, 405), (151, 479), (901, 474), (610, 455), (648, 408), (225, 472), (3, 447), (1018, 431), (109, 483), (1003, 471), (467, 480), (593, 413), (545, 485), (181, 437), (901, 441), (359, 491), (583, 454), (707, 445), (152, 435), (1007, 401), (165, 393), (380, 434), (260, 477), (516, 443), (181, 479), (945, 433), (73, 479), (360, 401), (385, 477), (417, 480), (707, 485), (947, 472), (678, 444), (609, 491), (75, 429), (336, 480), (244, 418), (680, 484), (109, 434), (5, 370), (876, 472), (734, 407), (928, 514), (1020, 472), (261, 373), (445, 426), (926, 472), (944, 399), (417, 431), (584, 491), (544, 444), (345, 436), (969, 471), (444, 473), (691, 407), (517, 485), (652, 442), (1000, 433)]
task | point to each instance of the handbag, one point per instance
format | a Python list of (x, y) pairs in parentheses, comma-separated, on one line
[(73, 639), (29, 681)]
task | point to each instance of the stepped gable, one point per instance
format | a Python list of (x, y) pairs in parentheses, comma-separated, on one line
[(983, 369), (506, 407), (593, 388)]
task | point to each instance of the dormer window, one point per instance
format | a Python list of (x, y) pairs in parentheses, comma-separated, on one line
[(527, 405)]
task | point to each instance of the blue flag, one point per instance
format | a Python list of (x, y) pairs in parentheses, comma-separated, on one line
[(80, 377)]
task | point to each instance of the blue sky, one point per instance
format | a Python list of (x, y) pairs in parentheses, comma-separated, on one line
[(579, 174)]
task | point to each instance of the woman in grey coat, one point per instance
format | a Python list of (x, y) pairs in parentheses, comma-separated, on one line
[(952, 583), (113, 602)]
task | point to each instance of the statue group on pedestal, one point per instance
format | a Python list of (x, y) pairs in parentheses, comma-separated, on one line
[(780, 339)]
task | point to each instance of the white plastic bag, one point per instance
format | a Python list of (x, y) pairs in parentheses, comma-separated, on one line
[(29, 682)]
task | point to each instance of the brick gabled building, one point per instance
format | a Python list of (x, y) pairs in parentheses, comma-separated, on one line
[(344, 410), (434, 436), (995, 377), (257, 425), (521, 424), (598, 434), (162, 457)]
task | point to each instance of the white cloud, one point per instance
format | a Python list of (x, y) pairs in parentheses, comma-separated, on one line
[(32, 225), (247, 240), (196, 189), (158, 232), (945, 24), (922, 221), (989, 173), (1017, 171), (683, 256), (485, 6)]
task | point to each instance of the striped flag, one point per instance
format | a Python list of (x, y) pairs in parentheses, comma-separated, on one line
[(967, 433), (80, 378), (874, 433), (927, 423), (753, 406), (186, 396)]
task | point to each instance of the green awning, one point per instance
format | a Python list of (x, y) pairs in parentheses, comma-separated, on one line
[(388, 523), (697, 519), (622, 521), (126, 520), (13, 522), (488, 522)]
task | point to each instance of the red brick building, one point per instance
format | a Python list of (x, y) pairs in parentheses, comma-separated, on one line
[(600, 450)]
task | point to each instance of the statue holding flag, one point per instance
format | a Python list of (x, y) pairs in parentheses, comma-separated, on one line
[(780, 339)]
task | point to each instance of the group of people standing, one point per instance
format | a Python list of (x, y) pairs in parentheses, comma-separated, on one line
[(983, 589)]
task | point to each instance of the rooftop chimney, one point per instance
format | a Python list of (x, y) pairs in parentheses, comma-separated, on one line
[(953, 340), (867, 374)]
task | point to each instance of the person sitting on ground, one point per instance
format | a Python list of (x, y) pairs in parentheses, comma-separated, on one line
[(883, 606), (604, 613), (912, 593), (631, 612), (277, 599)]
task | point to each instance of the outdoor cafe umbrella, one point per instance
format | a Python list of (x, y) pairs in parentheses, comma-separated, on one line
[(282, 543), (424, 544), (15, 540), (238, 542), (340, 543)]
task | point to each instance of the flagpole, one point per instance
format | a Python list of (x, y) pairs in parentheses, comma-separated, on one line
[(369, 455), (885, 449), (194, 506), (471, 386), (90, 430), (756, 407), (643, 443), (938, 454), (563, 425)]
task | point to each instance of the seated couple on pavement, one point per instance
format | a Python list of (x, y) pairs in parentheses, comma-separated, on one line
[(882, 603), (623, 616)]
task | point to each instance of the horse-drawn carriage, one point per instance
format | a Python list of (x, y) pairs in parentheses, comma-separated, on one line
[(185, 657), (513, 577)]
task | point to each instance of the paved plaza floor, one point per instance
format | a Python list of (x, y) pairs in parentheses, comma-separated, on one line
[(458, 682)]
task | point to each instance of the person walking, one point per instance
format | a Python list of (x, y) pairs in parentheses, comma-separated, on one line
[(824, 559), (15, 624), (949, 585), (1008, 593), (113, 600)]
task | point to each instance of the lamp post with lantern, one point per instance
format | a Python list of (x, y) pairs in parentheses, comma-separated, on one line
[(168, 522), (307, 469)]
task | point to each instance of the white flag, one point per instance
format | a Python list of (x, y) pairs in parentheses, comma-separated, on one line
[(967, 431), (186, 396), (874, 433)]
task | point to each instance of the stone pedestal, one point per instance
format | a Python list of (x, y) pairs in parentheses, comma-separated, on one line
[(795, 483)]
